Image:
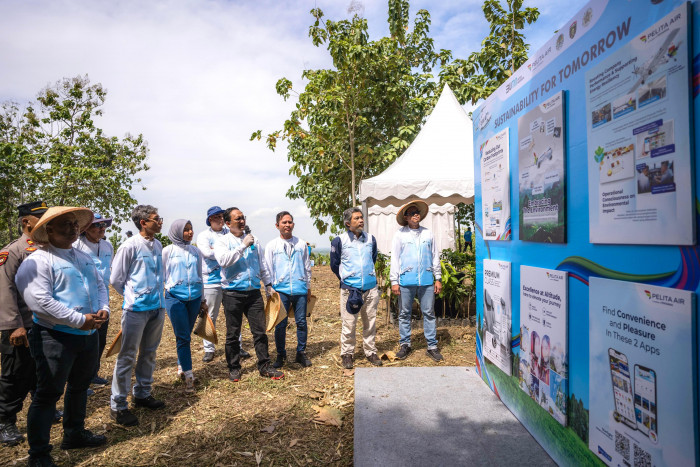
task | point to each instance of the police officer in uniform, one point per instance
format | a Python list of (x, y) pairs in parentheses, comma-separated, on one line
[(18, 371)]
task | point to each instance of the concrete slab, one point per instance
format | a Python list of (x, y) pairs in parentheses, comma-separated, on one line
[(436, 416)]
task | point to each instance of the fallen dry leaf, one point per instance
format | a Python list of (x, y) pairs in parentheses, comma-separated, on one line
[(347, 372), (293, 443), (271, 427), (244, 453), (389, 355), (328, 416)]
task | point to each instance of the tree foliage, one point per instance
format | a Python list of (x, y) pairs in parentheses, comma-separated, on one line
[(502, 52), (52, 150), (353, 120)]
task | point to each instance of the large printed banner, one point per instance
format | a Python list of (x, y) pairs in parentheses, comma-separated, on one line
[(637, 108), (497, 314), (496, 188), (640, 374), (544, 362), (541, 156)]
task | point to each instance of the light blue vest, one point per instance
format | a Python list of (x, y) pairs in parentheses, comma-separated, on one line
[(75, 286), (184, 282), (210, 267), (356, 265), (416, 261), (146, 278), (289, 272), (103, 259), (244, 274)]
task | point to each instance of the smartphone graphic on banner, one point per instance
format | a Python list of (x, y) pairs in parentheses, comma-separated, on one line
[(622, 388), (645, 401)]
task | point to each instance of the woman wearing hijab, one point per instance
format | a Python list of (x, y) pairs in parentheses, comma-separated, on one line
[(182, 264)]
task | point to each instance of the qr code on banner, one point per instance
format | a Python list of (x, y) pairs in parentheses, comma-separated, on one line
[(622, 445), (641, 457)]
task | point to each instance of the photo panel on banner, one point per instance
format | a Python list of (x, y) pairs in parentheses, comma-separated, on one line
[(639, 157), (497, 314), (641, 367), (495, 179), (543, 367), (542, 170)]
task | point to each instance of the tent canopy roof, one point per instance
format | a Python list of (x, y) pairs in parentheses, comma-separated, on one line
[(439, 161)]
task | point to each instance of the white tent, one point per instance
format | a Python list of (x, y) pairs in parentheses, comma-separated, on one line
[(438, 167)]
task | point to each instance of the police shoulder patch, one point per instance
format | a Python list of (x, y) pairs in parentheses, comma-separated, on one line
[(30, 249), (3, 257)]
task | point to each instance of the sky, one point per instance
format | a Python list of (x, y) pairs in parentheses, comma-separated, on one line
[(197, 77)]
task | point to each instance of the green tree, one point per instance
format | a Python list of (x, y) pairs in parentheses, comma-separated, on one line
[(58, 154), (502, 52), (352, 121)]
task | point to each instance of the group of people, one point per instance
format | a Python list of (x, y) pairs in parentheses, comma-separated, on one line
[(54, 304)]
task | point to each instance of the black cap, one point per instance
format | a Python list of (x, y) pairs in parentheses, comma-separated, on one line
[(35, 208)]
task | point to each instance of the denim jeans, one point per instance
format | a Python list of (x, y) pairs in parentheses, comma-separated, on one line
[(182, 316), (426, 297), (102, 339), (236, 304), (299, 303), (60, 358), (141, 333)]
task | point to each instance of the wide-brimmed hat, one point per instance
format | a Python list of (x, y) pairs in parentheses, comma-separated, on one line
[(212, 211), (97, 218), (204, 328), (422, 207), (272, 311), (116, 345), (38, 233)]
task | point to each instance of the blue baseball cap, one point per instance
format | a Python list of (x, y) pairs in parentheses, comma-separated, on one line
[(214, 210)]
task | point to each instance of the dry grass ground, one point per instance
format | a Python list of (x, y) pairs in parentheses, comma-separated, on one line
[(255, 421)]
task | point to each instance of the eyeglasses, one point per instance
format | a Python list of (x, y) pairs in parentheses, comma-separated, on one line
[(412, 213), (100, 225), (157, 219)]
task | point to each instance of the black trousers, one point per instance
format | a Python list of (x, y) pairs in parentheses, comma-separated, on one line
[(60, 358), (17, 380), (250, 304), (102, 337)]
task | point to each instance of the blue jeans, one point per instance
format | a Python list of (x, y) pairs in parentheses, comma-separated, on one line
[(182, 316), (426, 297), (60, 358), (141, 333), (299, 302)]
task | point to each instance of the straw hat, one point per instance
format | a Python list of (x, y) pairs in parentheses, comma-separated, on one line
[(422, 207), (272, 312), (116, 345), (204, 328), (310, 303), (38, 233)]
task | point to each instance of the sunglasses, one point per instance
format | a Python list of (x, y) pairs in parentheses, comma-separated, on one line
[(100, 225), (412, 213)]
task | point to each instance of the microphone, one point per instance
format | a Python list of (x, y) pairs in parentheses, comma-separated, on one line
[(246, 230)]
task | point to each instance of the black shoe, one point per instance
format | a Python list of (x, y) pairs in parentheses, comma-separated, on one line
[(208, 357), (374, 360), (57, 416), (243, 354), (434, 354), (90, 392), (99, 381), (149, 402), (234, 375), (403, 352), (302, 359), (85, 439), (10, 435), (124, 417), (279, 361), (43, 461), (269, 372), (347, 361)]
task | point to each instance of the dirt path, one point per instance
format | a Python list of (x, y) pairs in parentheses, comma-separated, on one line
[(227, 423)]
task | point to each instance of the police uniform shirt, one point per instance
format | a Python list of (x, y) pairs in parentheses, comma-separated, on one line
[(14, 312)]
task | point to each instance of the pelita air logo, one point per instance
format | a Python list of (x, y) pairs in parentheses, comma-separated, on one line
[(664, 298), (553, 276), (643, 38)]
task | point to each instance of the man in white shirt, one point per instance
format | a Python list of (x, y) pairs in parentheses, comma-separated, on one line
[(69, 301), (211, 273), (287, 260), (415, 272)]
